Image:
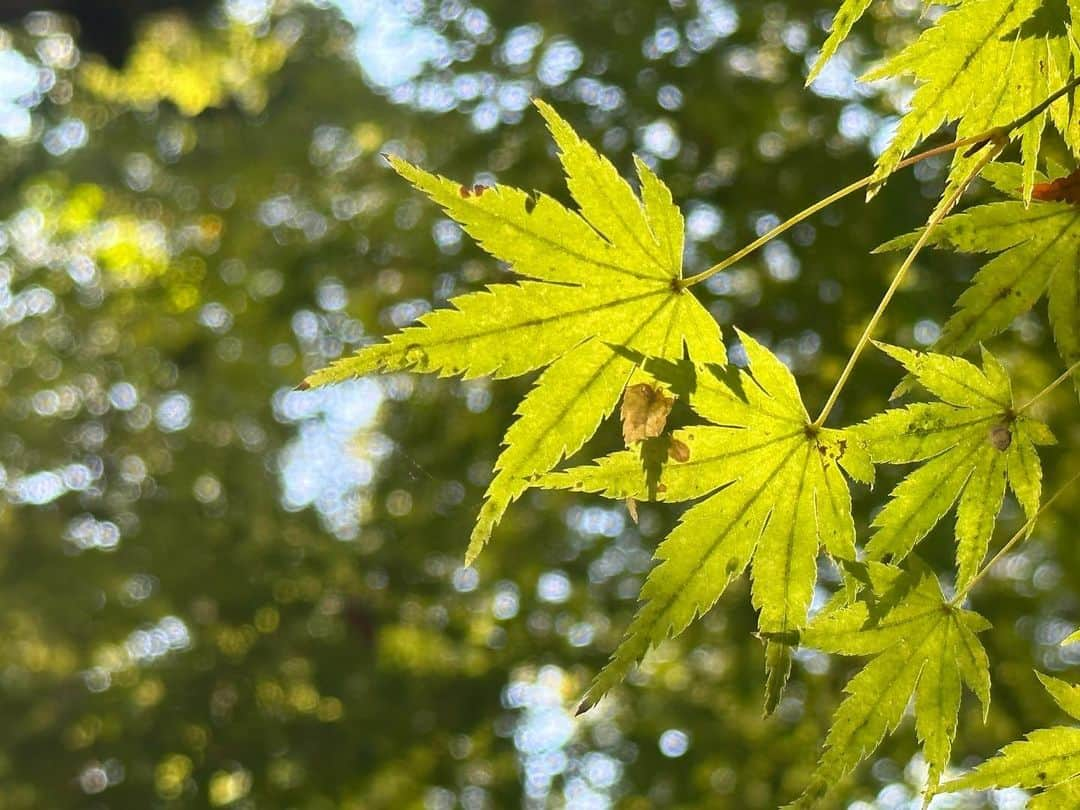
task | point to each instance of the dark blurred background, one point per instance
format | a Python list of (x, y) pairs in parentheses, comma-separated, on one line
[(218, 591)]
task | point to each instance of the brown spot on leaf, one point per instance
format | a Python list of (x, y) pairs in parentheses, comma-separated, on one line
[(678, 451), (1061, 189), (474, 191), (1000, 437), (644, 412)]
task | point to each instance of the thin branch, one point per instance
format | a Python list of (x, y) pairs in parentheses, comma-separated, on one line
[(998, 135), (764, 239), (939, 214), (1068, 373), (977, 140), (1021, 533)]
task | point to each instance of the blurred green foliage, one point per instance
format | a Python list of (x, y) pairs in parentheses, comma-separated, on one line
[(218, 591)]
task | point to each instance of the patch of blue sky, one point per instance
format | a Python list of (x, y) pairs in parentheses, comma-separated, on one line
[(19, 93), (393, 45)]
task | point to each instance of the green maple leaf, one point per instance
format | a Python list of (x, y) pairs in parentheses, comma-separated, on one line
[(608, 275), (985, 63), (971, 443), (1048, 758), (1038, 253), (777, 496), (922, 646), (843, 21)]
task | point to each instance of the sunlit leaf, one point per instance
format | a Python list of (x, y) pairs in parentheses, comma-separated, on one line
[(845, 18), (606, 275), (971, 443), (922, 647), (984, 64), (776, 496), (1038, 247), (1048, 759)]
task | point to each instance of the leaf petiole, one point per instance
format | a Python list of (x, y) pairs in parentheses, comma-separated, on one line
[(1066, 375), (939, 214), (997, 135), (975, 140)]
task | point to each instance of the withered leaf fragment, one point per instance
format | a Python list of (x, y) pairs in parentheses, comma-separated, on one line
[(1061, 189), (644, 412)]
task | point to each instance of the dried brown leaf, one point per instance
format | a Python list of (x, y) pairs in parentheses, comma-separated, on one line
[(644, 412)]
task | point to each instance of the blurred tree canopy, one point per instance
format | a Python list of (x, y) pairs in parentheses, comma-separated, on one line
[(218, 591)]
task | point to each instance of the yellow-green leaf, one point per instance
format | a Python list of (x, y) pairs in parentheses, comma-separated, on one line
[(560, 413), (1038, 254), (607, 275), (923, 647), (1048, 759), (984, 64), (971, 443), (778, 496), (1065, 695), (845, 18)]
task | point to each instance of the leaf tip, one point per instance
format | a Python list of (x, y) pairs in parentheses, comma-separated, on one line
[(585, 705), (547, 111), (778, 656), (479, 539), (746, 339), (815, 71), (403, 167), (904, 357), (1072, 638)]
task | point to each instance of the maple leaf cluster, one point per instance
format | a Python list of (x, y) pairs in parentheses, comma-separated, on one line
[(600, 310)]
